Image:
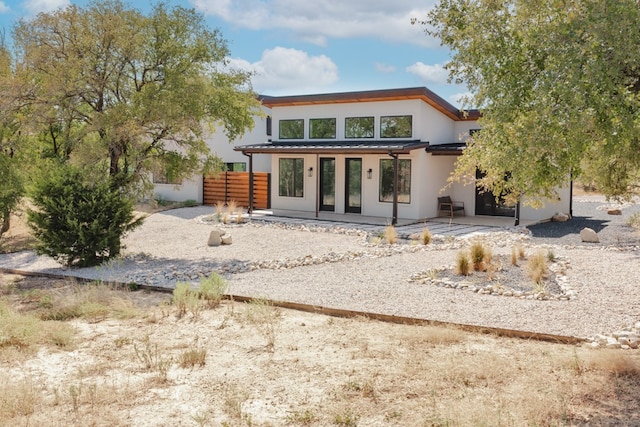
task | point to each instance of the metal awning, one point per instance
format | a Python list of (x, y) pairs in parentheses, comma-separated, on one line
[(452, 149), (338, 147)]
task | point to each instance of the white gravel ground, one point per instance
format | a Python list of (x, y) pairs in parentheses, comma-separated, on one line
[(362, 277)]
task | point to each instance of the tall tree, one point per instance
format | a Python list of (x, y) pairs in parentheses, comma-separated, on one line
[(121, 91), (558, 83)]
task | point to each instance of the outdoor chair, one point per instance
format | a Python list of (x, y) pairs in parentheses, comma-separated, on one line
[(447, 207)]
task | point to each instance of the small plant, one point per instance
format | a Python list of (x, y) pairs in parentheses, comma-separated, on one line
[(478, 253), (426, 237), (346, 419), (150, 358), (551, 256), (219, 209), (189, 203), (390, 234), (634, 221), (522, 255), (303, 418), (537, 268), (212, 289), (463, 265), (195, 356), (514, 256), (240, 216), (265, 318), (183, 297), (232, 205)]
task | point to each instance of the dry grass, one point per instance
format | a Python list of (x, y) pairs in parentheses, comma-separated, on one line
[(324, 371), (463, 265), (390, 234), (537, 268), (426, 237)]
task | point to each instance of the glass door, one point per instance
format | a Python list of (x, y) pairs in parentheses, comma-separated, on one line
[(327, 184), (353, 182)]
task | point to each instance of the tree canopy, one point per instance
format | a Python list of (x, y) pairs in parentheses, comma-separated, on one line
[(120, 92), (558, 84)]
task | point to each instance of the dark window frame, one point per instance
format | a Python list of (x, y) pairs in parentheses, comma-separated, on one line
[(347, 128), (328, 119), (385, 129), (295, 186), (385, 189), (282, 134)]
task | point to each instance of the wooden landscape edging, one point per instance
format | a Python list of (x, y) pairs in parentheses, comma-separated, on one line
[(333, 312)]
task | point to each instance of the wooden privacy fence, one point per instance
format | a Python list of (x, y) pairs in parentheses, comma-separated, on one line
[(235, 186)]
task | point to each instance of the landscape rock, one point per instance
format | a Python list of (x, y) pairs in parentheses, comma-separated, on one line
[(589, 236), (215, 237), (227, 239), (560, 217), (614, 211)]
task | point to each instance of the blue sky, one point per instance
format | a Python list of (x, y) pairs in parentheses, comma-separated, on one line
[(302, 47)]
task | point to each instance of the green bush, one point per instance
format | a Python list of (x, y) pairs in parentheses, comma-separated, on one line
[(79, 224)]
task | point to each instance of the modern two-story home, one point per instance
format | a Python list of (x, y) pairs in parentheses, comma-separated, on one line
[(381, 153)]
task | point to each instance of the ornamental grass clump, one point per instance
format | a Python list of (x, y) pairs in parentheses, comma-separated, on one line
[(426, 236), (537, 268), (463, 265), (390, 234), (478, 254)]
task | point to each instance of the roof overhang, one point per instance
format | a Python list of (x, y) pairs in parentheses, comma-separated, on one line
[(421, 93), (452, 149), (337, 147)]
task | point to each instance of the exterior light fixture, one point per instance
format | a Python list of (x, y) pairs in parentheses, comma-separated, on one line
[(310, 171), (369, 173)]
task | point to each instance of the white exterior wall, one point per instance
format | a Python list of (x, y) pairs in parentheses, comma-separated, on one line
[(220, 145), (550, 208)]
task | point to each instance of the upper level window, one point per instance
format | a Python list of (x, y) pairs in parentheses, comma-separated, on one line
[(395, 126), (268, 125), (358, 127), (292, 129), (236, 167), (322, 128)]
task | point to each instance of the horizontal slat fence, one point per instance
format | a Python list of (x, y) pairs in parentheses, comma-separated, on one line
[(235, 186)]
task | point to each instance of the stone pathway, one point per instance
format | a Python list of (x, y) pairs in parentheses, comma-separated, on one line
[(404, 231)]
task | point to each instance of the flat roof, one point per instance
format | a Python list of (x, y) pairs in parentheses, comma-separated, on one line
[(421, 93)]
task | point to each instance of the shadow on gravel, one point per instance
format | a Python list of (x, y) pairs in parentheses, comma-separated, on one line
[(563, 229)]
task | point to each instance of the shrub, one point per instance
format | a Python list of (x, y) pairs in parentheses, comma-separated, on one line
[(514, 256), (426, 236), (463, 266), (212, 289), (79, 224)]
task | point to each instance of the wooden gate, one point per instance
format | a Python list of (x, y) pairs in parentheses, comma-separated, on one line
[(235, 186)]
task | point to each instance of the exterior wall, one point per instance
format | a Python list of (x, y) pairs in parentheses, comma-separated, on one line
[(550, 207), (221, 146), (461, 130)]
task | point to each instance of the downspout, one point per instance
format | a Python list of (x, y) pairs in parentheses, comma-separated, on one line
[(571, 196), (250, 156), (517, 219), (317, 185), (394, 219)]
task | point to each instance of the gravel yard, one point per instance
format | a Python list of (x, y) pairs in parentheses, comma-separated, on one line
[(342, 269)]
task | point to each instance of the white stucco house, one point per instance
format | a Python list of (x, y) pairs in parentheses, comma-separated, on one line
[(343, 152)]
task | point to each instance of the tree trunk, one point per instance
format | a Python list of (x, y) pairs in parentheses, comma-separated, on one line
[(6, 221)]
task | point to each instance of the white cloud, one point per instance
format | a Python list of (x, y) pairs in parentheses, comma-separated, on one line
[(316, 22), (4, 8), (385, 68), (36, 6), (289, 70), (430, 74)]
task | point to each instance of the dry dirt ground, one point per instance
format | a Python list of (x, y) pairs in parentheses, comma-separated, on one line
[(116, 358)]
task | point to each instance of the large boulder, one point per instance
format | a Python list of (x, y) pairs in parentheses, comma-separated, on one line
[(560, 217), (215, 237), (589, 236)]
